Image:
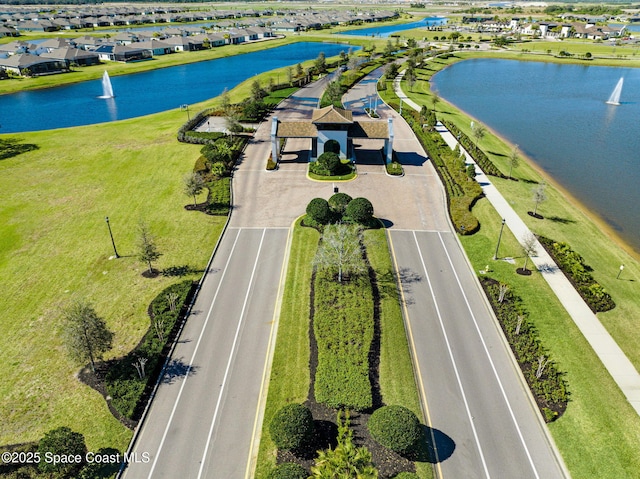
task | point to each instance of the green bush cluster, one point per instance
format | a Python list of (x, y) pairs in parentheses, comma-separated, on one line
[(477, 154), (407, 475), (462, 191), (330, 162), (343, 326), (291, 427), (548, 386), (123, 383), (340, 208), (288, 470), (578, 272), (396, 428), (219, 198), (223, 152)]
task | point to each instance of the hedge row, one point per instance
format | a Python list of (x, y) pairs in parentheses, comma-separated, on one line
[(578, 272), (545, 381), (462, 191), (123, 382), (477, 154), (343, 326), (219, 198)]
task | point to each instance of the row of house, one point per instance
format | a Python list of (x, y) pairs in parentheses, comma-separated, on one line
[(57, 55), (591, 29)]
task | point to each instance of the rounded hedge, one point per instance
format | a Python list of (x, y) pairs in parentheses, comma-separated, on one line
[(288, 470), (332, 146), (395, 427), (291, 426), (338, 202), (330, 161), (319, 211), (360, 210), (407, 475)]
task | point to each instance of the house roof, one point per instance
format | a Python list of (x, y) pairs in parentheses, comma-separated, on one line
[(369, 129), (296, 129), (331, 114)]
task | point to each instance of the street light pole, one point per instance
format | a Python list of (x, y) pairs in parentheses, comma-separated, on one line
[(620, 271), (111, 235), (495, 255)]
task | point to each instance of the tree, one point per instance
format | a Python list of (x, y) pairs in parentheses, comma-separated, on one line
[(257, 92), (478, 131), (389, 49), (329, 161), (193, 186), (291, 427), (320, 63), (529, 249), (338, 203), (539, 196), (224, 149), (334, 92), (62, 443), (435, 98), (290, 75), (319, 211), (86, 335), (340, 250), (391, 70), (410, 77), (147, 249), (395, 427), (514, 161), (346, 460), (360, 210), (299, 70)]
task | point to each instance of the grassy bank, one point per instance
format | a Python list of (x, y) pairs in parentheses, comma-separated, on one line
[(56, 248)]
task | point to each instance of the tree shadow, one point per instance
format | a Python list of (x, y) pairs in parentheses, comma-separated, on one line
[(10, 147), (410, 158), (182, 270), (295, 156), (557, 219), (437, 446), (176, 369), (495, 153)]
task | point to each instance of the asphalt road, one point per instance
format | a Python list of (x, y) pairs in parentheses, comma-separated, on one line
[(204, 419)]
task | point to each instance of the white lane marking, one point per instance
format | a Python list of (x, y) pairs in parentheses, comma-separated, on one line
[(193, 356), (231, 354), (453, 361), (493, 367)]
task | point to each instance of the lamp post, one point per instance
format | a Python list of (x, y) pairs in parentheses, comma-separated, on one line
[(184, 107), (620, 271), (495, 255), (111, 235)]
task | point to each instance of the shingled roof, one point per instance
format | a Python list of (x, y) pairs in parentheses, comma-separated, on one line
[(331, 114)]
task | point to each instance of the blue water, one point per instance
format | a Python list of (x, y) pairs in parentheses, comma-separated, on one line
[(385, 31), (149, 92), (558, 116)]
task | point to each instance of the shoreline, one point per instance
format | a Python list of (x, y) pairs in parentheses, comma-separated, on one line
[(595, 218)]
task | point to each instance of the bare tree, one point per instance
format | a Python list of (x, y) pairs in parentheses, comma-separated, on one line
[(158, 325), (139, 365), (529, 249), (193, 186), (147, 249), (519, 323), (502, 291), (514, 161), (542, 363), (86, 335), (539, 196), (340, 250)]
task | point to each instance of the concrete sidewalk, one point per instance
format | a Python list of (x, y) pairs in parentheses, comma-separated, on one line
[(613, 358)]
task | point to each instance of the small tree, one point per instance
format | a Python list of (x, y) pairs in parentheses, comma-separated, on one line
[(360, 210), (514, 161), (320, 63), (539, 196), (340, 250), (319, 211), (529, 249), (291, 426), (329, 161), (338, 203), (193, 186), (86, 335), (62, 442), (478, 131), (334, 92), (147, 249), (410, 78)]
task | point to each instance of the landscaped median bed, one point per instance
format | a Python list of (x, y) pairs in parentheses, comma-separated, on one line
[(352, 350)]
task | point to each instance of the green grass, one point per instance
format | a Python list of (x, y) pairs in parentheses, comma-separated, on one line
[(56, 248), (599, 434), (220, 196)]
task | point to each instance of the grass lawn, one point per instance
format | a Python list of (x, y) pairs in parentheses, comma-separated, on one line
[(55, 248), (290, 372)]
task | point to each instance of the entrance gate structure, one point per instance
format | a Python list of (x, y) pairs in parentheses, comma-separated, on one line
[(331, 123)]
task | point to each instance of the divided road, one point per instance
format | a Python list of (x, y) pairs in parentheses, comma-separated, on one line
[(205, 418)]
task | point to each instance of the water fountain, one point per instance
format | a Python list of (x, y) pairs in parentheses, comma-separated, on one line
[(614, 99), (107, 89)]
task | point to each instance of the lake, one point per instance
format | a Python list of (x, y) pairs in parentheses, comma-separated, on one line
[(385, 31), (148, 92), (559, 117)]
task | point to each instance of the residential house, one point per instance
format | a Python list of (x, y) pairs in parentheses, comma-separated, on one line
[(122, 53), (73, 56), (32, 65), (155, 46)]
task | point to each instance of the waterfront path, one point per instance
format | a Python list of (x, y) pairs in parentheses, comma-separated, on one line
[(613, 358)]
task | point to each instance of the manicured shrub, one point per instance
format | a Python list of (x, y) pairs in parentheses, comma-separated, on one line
[(291, 426), (329, 161), (62, 442), (319, 211), (288, 470), (407, 475), (395, 427), (360, 210), (338, 203), (332, 146)]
